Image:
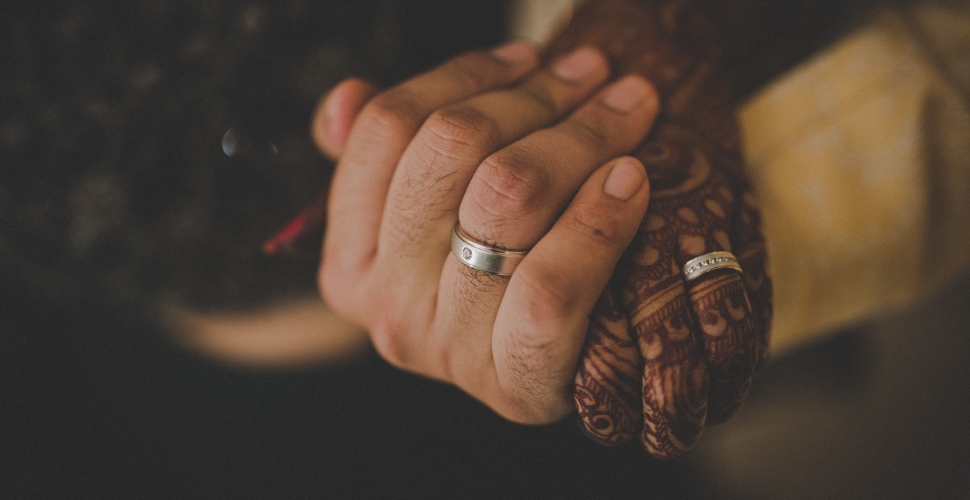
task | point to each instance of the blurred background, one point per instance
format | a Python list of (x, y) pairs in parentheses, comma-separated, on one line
[(149, 147)]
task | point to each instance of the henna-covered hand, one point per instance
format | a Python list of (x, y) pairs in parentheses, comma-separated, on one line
[(662, 359)]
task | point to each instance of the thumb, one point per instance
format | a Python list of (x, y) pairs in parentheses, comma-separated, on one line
[(336, 113)]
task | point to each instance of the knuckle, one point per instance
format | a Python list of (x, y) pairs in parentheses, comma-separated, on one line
[(395, 111), (461, 127), (511, 187)]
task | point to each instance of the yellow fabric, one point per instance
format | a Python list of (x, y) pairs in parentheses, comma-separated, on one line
[(861, 158)]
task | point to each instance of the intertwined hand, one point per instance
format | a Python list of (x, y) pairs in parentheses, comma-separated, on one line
[(659, 358), (664, 358), (523, 158)]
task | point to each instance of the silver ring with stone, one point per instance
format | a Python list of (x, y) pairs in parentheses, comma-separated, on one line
[(709, 262), (479, 256)]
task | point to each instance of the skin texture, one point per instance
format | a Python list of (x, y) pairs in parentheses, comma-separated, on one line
[(491, 138), (662, 359)]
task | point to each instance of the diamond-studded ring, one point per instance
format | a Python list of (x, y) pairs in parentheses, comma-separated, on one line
[(483, 257), (709, 262)]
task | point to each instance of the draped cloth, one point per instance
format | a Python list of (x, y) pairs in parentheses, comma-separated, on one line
[(861, 159)]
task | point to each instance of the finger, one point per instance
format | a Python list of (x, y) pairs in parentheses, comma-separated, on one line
[(726, 325), (378, 137), (335, 114), (435, 169), (723, 312), (675, 382), (544, 316), (517, 193), (607, 385)]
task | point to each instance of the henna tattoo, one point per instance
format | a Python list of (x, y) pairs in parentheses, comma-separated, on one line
[(725, 318), (675, 382), (698, 346), (608, 379)]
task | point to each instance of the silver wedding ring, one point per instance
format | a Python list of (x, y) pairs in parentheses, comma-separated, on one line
[(482, 257), (709, 262)]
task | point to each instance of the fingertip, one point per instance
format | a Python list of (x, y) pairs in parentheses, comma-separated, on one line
[(518, 53), (583, 64), (336, 113), (631, 93)]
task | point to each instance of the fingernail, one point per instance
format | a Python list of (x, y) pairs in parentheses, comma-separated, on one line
[(579, 65), (515, 52), (625, 179), (627, 94)]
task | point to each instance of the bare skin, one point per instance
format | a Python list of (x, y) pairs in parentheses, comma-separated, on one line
[(661, 359), (441, 144)]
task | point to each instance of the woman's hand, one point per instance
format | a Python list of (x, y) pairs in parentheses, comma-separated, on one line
[(525, 159), (664, 358)]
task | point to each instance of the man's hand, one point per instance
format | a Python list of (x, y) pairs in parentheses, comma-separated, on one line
[(522, 162), (661, 359)]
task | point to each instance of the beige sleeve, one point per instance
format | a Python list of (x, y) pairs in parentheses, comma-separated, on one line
[(861, 157)]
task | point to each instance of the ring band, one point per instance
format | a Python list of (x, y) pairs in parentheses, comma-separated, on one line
[(709, 262), (484, 258)]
